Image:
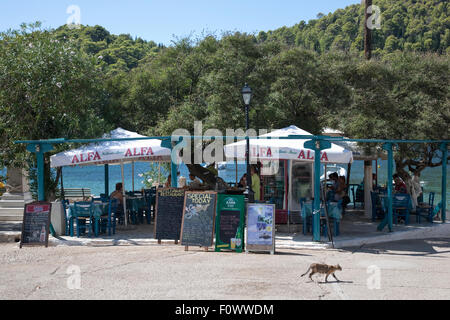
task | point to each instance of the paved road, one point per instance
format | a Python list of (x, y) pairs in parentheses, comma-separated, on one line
[(418, 269)]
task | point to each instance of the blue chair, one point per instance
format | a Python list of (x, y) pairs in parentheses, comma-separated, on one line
[(111, 219), (141, 208), (102, 198), (401, 206), (148, 205), (100, 222), (117, 214), (83, 214), (307, 220), (333, 221), (150, 197), (377, 208), (424, 210), (420, 198), (133, 210), (359, 196), (65, 203)]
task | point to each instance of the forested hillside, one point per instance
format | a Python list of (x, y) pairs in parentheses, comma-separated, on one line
[(115, 52), (407, 25), (76, 83)]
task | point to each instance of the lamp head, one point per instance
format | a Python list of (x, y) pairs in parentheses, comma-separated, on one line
[(247, 94)]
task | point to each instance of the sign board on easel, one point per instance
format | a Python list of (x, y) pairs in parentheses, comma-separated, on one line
[(169, 214), (36, 224), (230, 222), (199, 213), (260, 227)]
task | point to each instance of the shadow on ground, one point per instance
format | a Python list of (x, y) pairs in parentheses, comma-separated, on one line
[(414, 248)]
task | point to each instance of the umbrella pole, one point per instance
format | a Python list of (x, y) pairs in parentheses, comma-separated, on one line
[(63, 196), (107, 180), (132, 174), (289, 186), (236, 166), (124, 198), (159, 174)]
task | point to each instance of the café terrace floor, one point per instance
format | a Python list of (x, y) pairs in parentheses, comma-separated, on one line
[(356, 231)]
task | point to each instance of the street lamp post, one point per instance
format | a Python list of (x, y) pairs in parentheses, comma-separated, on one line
[(247, 95)]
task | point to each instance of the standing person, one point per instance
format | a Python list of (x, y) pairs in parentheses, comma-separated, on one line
[(333, 188), (345, 197), (335, 181), (181, 180), (415, 181), (375, 185), (169, 181), (256, 184)]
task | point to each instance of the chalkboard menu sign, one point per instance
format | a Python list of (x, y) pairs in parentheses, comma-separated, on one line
[(261, 227), (230, 222), (169, 213), (198, 219), (36, 224)]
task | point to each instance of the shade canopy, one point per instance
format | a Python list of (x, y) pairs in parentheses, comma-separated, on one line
[(111, 152), (359, 152), (286, 149)]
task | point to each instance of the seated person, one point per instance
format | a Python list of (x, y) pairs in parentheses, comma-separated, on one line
[(118, 193), (342, 190), (243, 181), (195, 183), (333, 187), (400, 186)]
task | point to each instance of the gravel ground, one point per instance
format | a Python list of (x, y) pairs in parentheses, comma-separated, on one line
[(416, 269)]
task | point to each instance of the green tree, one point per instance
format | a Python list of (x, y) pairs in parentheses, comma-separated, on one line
[(420, 24), (402, 96), (48, 89)]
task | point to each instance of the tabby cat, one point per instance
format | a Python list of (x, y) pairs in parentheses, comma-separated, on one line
[(324, 269)]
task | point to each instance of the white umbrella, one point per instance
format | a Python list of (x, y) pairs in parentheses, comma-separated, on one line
[(113, 151), (286, 149)]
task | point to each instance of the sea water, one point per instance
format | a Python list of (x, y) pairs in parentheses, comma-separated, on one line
[(93, 177)]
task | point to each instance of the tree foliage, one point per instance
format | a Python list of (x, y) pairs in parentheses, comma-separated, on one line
[(82, 82), (406, 25), (48, 89), (116, 53)]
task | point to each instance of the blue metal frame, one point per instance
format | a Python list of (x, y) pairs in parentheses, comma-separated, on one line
[(318, 143), (39, 149), (107, 179)]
